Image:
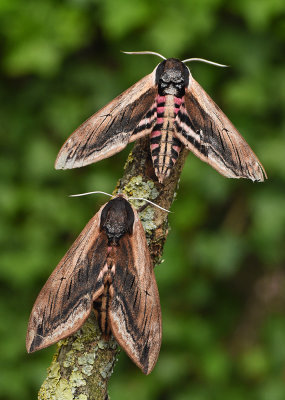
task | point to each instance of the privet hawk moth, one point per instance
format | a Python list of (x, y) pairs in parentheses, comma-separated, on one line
[(174, 110), (108, 268)]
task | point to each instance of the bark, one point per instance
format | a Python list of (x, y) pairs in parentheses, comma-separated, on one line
[(84, 362)]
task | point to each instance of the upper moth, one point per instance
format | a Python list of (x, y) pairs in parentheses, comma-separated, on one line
[(174, 110)]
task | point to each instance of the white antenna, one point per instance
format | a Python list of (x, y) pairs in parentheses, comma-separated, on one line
[(144, 52), (129, 198), (87, 193), (205, 61), (148, 201)]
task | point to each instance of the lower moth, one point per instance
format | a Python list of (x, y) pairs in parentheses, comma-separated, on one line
[(107, 269), (171, 108)]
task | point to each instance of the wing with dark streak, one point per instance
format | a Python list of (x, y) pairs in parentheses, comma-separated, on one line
[(109, 130), (146, 125), (66, 299), (205, 130), (134, 313)]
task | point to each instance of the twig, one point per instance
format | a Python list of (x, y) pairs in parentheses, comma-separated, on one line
[(84, 362)]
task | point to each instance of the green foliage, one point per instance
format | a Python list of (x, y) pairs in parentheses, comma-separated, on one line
[(222, 282)]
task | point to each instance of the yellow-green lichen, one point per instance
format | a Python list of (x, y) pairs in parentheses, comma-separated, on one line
[(49, 387), (81, 397), (55, 387), (53, 370), (130, 159), (76, 380), (106, 371), (63, 391), (77, 345), (69, 359), (87, 369), (87, 358), (147, 217), (87, 362), (102, 344), (63, 342), (137, 187), (89, 329)]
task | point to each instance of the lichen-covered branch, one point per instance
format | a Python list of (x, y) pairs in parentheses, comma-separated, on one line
[(83, 363)]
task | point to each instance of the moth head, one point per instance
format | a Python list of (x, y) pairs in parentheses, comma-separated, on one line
[(172, 76), (117, 219)]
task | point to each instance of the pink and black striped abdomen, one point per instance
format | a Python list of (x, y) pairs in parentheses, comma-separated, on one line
[(164, 145)]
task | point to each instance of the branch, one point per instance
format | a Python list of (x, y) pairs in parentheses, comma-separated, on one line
[(83, 363)]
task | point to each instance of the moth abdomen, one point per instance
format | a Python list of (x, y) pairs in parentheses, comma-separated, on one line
[(165, 146), (101, 309)]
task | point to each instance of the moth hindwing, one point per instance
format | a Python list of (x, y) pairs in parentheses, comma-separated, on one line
[(174, 110), (109, 269)]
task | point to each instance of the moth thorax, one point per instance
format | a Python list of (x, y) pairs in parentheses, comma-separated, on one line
[(171, 82), (172, 76), (114, 231), (117, 219)]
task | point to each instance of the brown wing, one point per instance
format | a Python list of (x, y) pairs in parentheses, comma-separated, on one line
[(205, 130), (66, 299), (108, 131), (134, 313)]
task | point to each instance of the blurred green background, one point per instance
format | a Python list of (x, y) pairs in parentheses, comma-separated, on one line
[(222, 285)]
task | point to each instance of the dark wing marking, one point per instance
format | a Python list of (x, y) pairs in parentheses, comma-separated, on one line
[(108, 131), (134, 313), (66, 299), (146, 125), (205, 130)]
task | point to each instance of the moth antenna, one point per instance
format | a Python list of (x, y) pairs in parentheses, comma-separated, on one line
[(86, 194), (144, 52), (148, 201), (205, 61), (130, 198)]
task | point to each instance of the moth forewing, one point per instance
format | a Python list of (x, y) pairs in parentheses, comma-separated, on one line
[(108, 131), (135, 315), (206, 131), (65, 301), (108, 267)]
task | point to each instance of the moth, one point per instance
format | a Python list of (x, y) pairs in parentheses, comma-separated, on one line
[(108, 269), (174, 110)]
